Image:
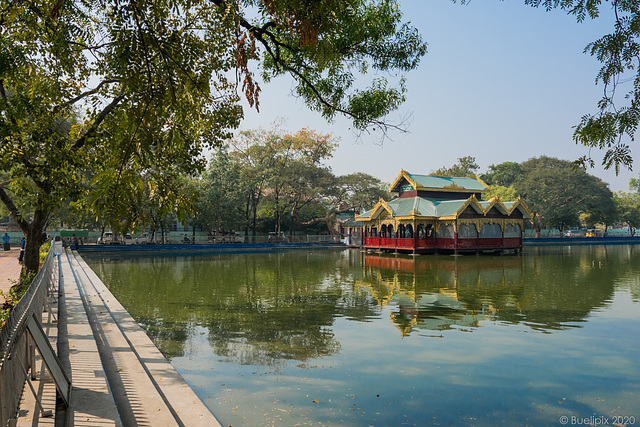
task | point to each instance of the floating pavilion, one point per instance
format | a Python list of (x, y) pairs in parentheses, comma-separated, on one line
[(443, 214)]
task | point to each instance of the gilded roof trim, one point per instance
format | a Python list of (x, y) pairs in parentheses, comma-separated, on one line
[(377, 209), (453, 188), (405, 175), (495, 201), (471, 201)]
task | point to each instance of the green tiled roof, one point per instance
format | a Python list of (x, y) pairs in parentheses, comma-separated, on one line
[(426, 207), (352, 222), (441, 208), (439, 182)]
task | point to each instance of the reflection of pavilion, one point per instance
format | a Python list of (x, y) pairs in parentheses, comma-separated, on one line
[(442, 293), (434, 213), (434, 312)]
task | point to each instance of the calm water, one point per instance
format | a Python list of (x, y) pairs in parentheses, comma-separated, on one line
[(340, 338)]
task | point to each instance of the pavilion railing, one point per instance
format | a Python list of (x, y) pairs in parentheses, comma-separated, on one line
[(17, 350)]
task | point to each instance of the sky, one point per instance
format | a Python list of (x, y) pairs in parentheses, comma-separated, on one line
[(501, 82)]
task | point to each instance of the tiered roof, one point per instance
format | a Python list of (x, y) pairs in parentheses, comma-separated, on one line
[(437, 183), (441, 208)]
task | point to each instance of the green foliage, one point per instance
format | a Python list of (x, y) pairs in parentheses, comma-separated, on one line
[(221, 194), (466, 166), (618, 115), (361, 191), (110, 105), (504, 194), (558, 193), (628, 207), (287, 168), (284, 183), (634, 185), (333, 41), (504, 174)]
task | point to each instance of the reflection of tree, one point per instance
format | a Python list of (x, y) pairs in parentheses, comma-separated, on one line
[(553, 288), (257, 308), (269, 308), (293, 328)]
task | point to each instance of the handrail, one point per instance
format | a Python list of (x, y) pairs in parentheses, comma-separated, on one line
[(13, 340)]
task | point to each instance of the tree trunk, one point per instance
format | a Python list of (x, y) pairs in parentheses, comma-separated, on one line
[(35, 236)]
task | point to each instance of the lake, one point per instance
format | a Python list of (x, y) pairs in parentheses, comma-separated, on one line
[(344, 338)]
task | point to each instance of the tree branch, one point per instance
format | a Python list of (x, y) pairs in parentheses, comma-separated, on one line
[(84, 94), (13, 210), (99, 119)]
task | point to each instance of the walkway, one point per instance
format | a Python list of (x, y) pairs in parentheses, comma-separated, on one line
[(118, 376), (9, 269)]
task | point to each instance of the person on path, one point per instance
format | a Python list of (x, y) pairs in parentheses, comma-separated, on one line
[(5, 241), (22, 245)]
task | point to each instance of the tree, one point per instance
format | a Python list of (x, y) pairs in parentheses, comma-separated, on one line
[(361, 191), (285, 180), (311, 188), (504, 194), (557, 193), (504, 174), (619, 54), (628, 207), (350, 193), (268, 160), (634, 185), (220, 194), (133, 91), (466, 166)]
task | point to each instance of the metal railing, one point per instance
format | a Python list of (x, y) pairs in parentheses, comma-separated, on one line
[(187, 238), (17, 350)]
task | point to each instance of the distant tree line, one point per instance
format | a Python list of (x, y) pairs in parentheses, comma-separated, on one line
[(559, 194), (257, 182), (275, 181)]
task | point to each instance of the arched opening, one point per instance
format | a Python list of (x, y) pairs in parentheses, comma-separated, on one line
[(409, 232), (491, 231), (446, 232), (468, 231), (512, 230)]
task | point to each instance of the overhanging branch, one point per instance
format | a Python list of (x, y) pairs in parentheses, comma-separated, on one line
[(98, 121), (13, 210), (84, 95)]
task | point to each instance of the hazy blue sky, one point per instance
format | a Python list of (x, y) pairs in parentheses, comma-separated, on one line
[(501, 81)]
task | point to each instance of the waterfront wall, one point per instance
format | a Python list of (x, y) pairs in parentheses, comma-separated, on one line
[(609, 240)]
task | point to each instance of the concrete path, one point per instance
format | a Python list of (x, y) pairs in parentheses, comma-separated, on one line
[(118, 375), (9, 269)]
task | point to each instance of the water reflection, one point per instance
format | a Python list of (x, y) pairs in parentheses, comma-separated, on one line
[(260, 309), (551, 290), (346, 338), (265, 309)]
